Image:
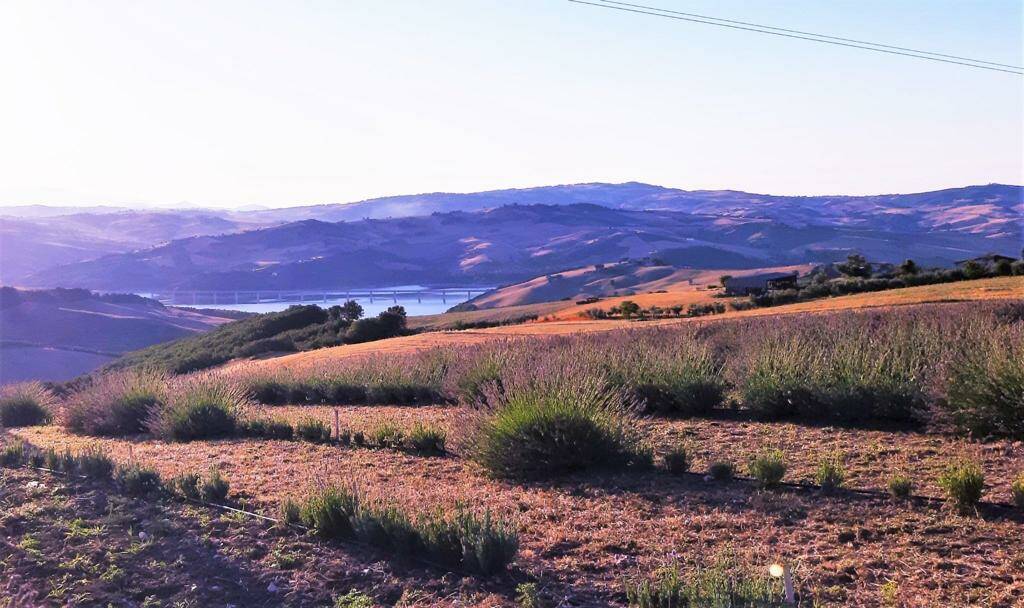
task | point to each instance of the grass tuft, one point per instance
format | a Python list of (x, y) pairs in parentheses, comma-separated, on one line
[(964, 483), (1017, 491), (426, 439), (137, 480), (900, 486), (26, 404), (115, 404), (458, 539), (551, 426), (768, 468), (266, 428), (94, 463), (313, 429), (199, 408), (830, 473), (677, 460), (214, 488), (13, 454), (720, 585), (185, 485), (722, 471)]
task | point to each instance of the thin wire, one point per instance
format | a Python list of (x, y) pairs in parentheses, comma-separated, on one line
[(782, 29), (783, 35)]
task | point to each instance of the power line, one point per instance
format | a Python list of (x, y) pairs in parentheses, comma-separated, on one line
[(784, 33), (782, 29)]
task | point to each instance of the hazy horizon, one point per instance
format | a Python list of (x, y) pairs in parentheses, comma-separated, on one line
[(228, 207)]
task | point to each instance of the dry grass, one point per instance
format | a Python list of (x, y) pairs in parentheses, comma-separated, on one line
[(980, 290), (588, 531)]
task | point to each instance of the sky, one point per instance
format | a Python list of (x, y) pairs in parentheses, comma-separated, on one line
[(239, 103)]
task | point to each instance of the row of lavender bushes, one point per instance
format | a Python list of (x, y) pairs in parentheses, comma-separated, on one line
[(958, 364)]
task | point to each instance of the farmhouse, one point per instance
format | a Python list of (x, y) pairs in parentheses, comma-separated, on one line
[(759, 283), (988, 260)]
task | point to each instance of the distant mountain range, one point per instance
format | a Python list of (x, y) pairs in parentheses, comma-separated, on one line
[(498, 237)]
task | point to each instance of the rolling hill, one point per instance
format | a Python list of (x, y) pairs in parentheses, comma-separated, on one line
[(38, 240), (59, 334), (499, 237)]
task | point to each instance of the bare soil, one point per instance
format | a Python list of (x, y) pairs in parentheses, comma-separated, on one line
[(583, 534)]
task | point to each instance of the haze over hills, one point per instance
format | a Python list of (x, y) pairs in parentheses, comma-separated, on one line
[(31, 243), (502, 236)]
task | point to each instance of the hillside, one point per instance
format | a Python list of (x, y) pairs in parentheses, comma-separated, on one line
[(631, 278), (37, 241), (496, 237), (565, 323), (59, 334), (990, 209), (513, 243)]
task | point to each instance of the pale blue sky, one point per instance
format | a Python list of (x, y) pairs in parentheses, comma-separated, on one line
[(281, 103)]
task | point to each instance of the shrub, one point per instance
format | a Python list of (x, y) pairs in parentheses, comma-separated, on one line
[(289, 512), (488, 545), (59, 461), (458, 539), (853, 371), (13, 454), (985, 391), (313, 429), (94, 463), (1017, 491), (900, 486), (388, 435), (354, 599), (199, 408), (679, 377), (115, 404), (263, 427), (427, 439), (186, 485), (26, 404), (551, 426), (718, 585), (358, 438), (214, 488), (677, 460), (830, 473), (963, 482), (768, 468), (136, 480), (721, 471), (328, 512), (527, 596)]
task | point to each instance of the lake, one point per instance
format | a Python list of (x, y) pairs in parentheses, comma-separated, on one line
[(417, 299)]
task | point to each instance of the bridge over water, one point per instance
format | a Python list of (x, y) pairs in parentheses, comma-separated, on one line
[(182, 297)]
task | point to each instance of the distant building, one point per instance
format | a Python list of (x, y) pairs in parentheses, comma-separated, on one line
[(987, 261), (760, 283)]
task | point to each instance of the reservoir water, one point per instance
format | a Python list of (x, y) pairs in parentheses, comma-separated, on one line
[(417, 299)]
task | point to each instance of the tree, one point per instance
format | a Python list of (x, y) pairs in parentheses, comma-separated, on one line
[(973, 270), (855, 266), (351, 310), (909, 267), (629, 308), (722, 279), (1002, 268)]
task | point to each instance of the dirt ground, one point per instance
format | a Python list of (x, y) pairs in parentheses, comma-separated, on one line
[(583, 534)]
